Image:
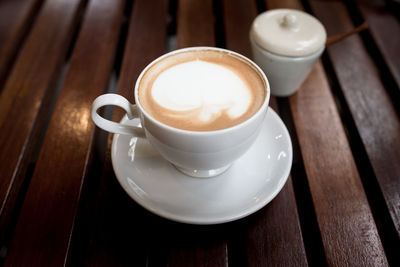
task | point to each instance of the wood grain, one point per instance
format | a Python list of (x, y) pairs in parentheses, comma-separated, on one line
[(25, 96), (198, 247), (274, 237), (195, 23), (75, 212), (195, 27), (341, 207), (111, 228), (16, 18), (385, 30), (342, 210), (238, 16), (371, 107), (146, 41), (47, 217), (276, 225)]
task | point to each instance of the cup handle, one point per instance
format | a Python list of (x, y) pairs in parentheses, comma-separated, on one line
[(113, 127)]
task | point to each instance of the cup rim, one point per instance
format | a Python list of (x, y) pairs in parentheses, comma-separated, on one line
[(213, 132)]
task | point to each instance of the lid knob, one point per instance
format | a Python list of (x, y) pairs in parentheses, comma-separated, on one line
[(290, 22), (288, 32)]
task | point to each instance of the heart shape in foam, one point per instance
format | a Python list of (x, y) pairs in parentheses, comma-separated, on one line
[(202, 90)]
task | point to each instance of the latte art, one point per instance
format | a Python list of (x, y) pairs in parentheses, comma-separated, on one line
[(201, 91)]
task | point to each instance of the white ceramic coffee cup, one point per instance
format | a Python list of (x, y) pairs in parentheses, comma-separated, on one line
[(286, 44), (195, 153)]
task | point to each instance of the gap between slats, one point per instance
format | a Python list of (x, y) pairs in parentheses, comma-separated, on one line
[(283, 104), (101, 192), (380, 212), (309, 226), (78, 247), (308, 220), (18, 190), (219, 24), (208, 246), (346, 138), (386, 76)]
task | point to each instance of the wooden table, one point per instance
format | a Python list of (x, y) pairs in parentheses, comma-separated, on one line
[(61, 203)]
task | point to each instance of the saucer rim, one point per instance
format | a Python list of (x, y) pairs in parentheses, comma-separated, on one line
[(213, 219)]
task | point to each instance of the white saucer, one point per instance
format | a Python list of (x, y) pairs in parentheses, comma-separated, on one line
[(247, 186)]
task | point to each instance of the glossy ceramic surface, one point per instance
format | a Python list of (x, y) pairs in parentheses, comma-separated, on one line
[(197, 153), (288, 32), (248, 185), (285, 74)]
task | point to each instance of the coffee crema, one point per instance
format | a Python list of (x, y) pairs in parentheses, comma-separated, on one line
[(201, 90)]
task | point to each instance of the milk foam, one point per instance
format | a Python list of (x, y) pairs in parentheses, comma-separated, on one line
[(201, 91)]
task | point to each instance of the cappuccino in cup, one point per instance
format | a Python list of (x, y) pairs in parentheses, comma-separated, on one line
[(201, 108), (201, 90)]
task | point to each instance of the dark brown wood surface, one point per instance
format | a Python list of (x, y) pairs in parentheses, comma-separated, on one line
[(335, 185), (238, 16), (131, 229), (61, 203), (16, 18), (277, 226), (195, 23), (371, 108), (26, 95), (203, 249), (385, 30), (47, 216), (273, 4)]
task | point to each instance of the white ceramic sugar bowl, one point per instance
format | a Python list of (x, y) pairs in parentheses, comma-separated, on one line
[(286, 44)]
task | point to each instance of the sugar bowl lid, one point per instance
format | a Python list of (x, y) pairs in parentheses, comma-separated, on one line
[(288, 32)]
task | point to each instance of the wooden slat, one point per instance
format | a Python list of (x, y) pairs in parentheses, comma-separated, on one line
[(274, 236), (347, 228), (196, 28), (238, 16), (25, 96), (195, 23), (277, 225), (196, 247), (372, 110), (15, 20), (272, 4), (45, 224), (385, 30), (112, 230), (148, 22), (346, 224)]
